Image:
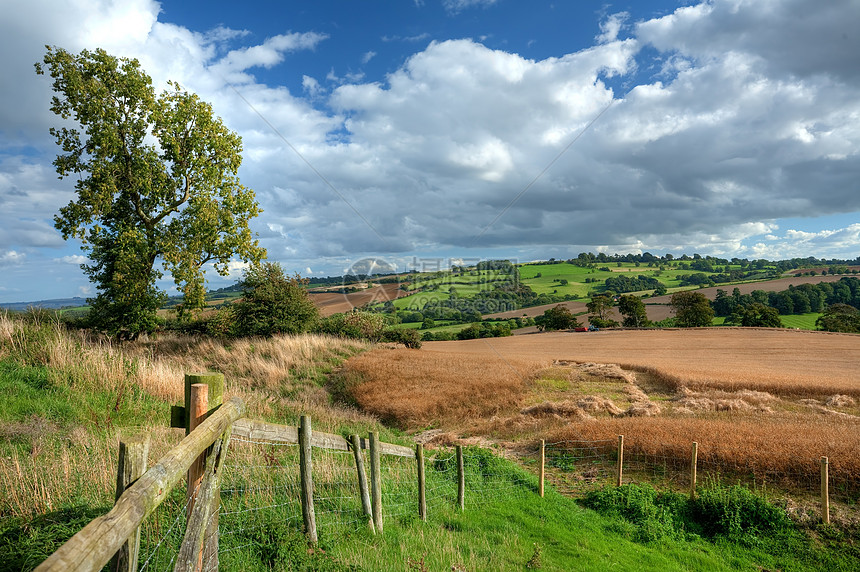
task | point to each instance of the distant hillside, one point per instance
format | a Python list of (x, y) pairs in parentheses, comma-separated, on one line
[(54, 304)]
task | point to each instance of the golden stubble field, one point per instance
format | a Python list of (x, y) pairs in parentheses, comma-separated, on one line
[(775, 399)]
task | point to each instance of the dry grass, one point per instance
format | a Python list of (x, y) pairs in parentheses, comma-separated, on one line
[(278, 378), (781, 362), (417, 389)]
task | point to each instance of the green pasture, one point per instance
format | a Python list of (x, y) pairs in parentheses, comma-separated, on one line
[(800, 321)]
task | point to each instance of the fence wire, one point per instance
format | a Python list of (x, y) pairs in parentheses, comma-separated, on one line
[(261, 489)]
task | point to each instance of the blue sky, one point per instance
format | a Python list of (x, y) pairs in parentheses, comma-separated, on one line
[(429, 131)]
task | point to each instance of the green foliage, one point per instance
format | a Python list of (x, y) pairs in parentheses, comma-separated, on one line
[(692, 309), (758, 315), (633, 312), (654, 515), (599, 308), (731, 512), (409, 337), (484, 330), (273, 303), (734, 512), (840, 318), (625, 283), (556, 318), (357, 325), (156, 179)]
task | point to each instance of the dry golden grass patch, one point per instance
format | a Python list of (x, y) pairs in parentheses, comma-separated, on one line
[(776, 445), (278, 378), (415, 389)]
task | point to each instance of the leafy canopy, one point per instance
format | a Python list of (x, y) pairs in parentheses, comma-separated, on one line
[(692, 309), (273, 303), (156, 181)]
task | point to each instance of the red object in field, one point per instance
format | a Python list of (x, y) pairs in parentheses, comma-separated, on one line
[(580, 329)]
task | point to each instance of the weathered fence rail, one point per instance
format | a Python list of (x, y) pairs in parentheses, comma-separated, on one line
[(96, 543), (198, 457)]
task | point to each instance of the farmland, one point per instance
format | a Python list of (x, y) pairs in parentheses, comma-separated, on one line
[(773, 397)]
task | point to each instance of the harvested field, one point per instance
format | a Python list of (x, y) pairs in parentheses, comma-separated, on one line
[(775, 400), (333, 302), (783, 362)]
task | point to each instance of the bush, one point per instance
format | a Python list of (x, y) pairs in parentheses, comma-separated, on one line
[(655, 515), (733, 512), (358, 325), (409, 337), (736, 511), (272, 303)]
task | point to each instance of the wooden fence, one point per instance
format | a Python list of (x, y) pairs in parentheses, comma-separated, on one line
[(199, 457)]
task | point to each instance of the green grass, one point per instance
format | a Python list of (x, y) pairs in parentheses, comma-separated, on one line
[(418, 300), (506, 526), (32, 395), (800, 321)]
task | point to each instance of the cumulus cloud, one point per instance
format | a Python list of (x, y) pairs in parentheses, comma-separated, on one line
[(11, 257), (737, 114)]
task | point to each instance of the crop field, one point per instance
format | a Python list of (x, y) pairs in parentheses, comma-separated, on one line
[(772, 399)]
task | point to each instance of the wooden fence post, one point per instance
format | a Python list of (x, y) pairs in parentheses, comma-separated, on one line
[(307, 479), (422, 492), (542, 465), (375, 481), (215, 381), (133, 453), (694, 460), (825, 491), (362, 481), (190, 557), (620, 460), (198, 408), (461, 479)]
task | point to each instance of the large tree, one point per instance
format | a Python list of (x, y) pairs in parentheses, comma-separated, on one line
[(156, 181), (600, 308), (556, 318), (692, 309), (633, 312)]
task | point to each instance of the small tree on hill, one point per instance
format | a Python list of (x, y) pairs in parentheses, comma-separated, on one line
[(840, 318), (273, 303), (600, 308), (757, 315), (633, 312), (556, 318)]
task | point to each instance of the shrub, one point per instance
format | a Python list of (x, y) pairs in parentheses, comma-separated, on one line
[(358, 325), (273, 303), (409, 337), (735, 511)]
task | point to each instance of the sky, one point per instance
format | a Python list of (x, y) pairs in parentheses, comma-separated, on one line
[(421, 133)]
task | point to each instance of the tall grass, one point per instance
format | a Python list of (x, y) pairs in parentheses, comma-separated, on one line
[(71, 394)]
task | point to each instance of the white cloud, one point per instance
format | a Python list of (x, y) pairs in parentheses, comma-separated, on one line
[(11, 257), (610, 27), (76, 259), (750, 114), (368, 56), (457, 6)]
